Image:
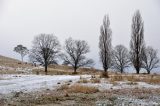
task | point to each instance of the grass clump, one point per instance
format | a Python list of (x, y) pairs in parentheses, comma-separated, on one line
[(63, 87), (104, 75), (132, 83), (83, 81), (83, 89), (95, 80)]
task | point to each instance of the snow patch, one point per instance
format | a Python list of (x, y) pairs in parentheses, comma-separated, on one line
[(26, 83)]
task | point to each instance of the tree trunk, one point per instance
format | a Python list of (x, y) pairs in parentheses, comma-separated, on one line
[(148, 71), (121, 70), (137, 70), (75, 70), (22, 58), (46, 69), (105, 70)]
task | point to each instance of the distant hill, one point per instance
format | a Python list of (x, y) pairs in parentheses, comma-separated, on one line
[(11, 62)]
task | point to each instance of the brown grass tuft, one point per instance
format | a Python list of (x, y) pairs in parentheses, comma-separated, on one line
[(63, 87), (104, 75), (83, 80), (132, 83), (95, 80), (151, 79), (82, 89)]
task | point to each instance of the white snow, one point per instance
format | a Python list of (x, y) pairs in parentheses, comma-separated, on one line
[(120, 85), (15, 83), (26, 83)]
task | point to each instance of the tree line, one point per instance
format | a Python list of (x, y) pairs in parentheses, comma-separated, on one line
[(46, 50)]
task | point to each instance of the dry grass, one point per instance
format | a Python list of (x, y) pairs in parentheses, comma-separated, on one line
[(76, 88), (95, 80), (14, 63), (8, 72), (152, 79), (63, 87), (132, 83), (104, 75), (83, 81), (92, 80), (52, 71), (66, 70)]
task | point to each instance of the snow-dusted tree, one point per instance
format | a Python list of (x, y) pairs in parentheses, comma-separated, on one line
[(150, 59), (21, 50), (137, 41), (45, 49), (75, 51), (105, 45), (121, 58)]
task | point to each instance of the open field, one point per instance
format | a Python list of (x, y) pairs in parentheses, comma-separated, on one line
[(71, 90), (23, 84)]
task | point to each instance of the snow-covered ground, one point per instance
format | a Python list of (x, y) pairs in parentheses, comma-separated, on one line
[(121, 85), (27, 83), (11, 84)]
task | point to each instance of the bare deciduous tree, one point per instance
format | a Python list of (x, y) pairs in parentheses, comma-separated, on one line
[(105, 44), (45, 49), (121, 58), (74, 55), (137, 41), (21, 50), (150, 59)]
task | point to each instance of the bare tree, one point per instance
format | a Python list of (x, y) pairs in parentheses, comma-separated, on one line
[(150, 59), (121, 58), (105, 44), (45, 49), (137, 41), (74, 55), (21, 50)]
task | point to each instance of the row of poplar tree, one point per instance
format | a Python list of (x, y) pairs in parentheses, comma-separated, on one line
[(46, 50)]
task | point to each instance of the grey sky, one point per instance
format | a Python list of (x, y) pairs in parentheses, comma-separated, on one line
[(21, 20)]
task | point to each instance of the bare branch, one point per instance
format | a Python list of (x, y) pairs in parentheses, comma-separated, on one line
[(150, 59), (74, 55), (45, 49), (137, 41), (105, 44), (121, 58)]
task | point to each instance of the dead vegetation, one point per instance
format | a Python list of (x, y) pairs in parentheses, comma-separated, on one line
[(91, 80), (151, 79), (65, 70), (77, 88), (80, 98), (14, 63)]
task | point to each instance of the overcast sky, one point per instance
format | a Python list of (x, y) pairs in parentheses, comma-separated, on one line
[(21, 20)]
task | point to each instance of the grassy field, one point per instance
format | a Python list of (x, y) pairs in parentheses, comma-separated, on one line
[(90, 88)]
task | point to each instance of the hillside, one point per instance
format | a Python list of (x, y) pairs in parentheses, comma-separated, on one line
[(11, 62)]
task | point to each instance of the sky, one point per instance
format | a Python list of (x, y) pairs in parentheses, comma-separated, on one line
[(21, 20)]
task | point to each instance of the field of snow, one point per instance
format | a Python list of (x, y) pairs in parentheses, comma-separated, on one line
[(15, 83), (27, 83)]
